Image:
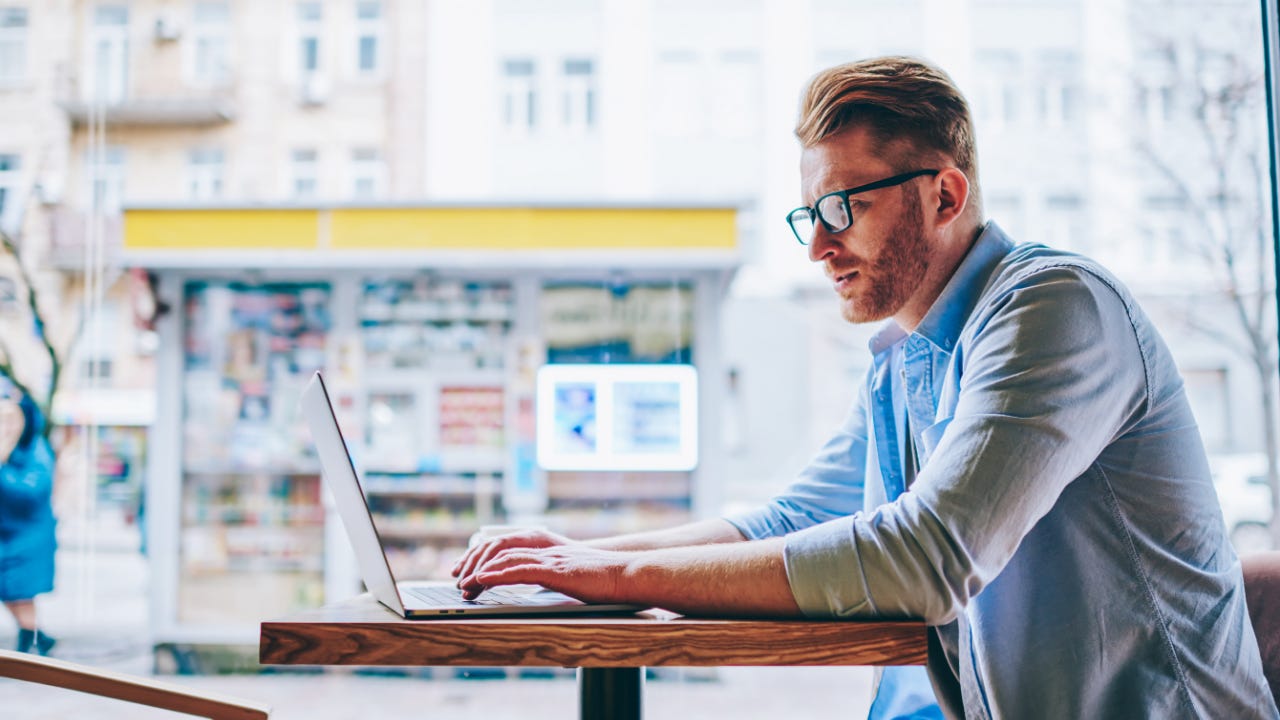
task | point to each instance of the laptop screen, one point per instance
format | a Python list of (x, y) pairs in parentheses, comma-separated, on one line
[(340, 476)]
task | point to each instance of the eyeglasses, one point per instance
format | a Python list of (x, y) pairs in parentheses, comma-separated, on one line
[(833, 208)]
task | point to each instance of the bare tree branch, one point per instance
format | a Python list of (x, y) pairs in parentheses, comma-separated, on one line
[(45, 401)]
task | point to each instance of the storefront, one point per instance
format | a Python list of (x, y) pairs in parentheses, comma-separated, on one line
[(435, 327)]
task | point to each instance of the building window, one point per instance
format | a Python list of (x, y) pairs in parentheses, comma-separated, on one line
[(736, 94), (1006, 209), (13, 45), (204, 172), (305, 174), (519, 94), (1156, 87), (106, 180), (1058, 88), (9, 166), (368, 37), (108, 73), (309, 27), (368, 173), (579, 94), (678, 109), (211, 38), (1164, 243), (1206, 390), (998, 97), (1065, 226)]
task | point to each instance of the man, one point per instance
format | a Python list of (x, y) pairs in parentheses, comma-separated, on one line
[(1021, 468)]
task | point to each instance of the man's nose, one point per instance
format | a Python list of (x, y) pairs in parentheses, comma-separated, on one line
[(821, 243)]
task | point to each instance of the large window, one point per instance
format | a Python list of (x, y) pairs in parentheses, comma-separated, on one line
[(13, 45), (1132, 131)]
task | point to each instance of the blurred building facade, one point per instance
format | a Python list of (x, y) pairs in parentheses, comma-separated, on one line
[(107, 104)]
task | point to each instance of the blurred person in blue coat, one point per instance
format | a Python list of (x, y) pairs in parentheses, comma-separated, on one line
[(27, 541)]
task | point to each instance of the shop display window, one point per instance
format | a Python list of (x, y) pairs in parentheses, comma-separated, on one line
[(251, 508), (433, 323), (618, 323), (617, 405), (435, 374)]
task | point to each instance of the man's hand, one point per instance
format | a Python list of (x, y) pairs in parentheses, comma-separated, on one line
[(576, 570), (485, 551)]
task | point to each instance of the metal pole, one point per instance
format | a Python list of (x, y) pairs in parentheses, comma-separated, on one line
[(610, 693), (1270, 47)]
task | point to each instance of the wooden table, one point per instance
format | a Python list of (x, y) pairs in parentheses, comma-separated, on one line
[(610, 652)]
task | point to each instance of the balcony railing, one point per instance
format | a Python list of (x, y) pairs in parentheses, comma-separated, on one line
[(150, 102)]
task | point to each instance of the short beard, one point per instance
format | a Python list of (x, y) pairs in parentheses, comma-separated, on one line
[(897, 272)]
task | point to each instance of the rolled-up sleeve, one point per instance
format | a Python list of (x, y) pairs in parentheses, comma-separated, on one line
[(831, 486), (1052, 371)]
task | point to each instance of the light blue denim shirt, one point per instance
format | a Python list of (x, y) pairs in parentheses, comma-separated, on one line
[(1063, 535)]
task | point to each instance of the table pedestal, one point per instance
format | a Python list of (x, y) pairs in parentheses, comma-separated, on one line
[(610, 693)]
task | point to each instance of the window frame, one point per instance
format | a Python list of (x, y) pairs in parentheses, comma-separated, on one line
[(17, 36)]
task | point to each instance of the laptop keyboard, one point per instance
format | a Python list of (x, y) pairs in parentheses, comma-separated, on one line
[(448, 596)]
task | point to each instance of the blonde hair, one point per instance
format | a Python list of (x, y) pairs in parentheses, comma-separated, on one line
[(896, 99)]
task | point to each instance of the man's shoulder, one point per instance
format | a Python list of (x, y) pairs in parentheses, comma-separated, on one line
[(1047, 287), (1029, 265)]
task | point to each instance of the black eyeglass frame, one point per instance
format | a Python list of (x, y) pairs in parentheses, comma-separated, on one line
[(813, 212)]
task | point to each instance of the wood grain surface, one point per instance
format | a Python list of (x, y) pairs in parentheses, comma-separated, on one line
[(363, 632), (138, 690)]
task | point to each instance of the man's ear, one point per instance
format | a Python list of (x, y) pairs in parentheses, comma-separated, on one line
[(952, 194)]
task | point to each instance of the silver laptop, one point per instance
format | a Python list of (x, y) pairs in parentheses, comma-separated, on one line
[(417, 600)]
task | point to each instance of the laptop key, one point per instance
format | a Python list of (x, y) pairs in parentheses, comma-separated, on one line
[(453, 596)]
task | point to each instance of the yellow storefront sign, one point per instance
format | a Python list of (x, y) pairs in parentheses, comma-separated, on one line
[(469, 228)]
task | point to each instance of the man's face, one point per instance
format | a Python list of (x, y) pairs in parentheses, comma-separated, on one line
[(880, 261)]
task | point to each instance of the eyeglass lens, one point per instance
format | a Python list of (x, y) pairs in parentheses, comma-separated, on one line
[(801, 224), (834, 210)]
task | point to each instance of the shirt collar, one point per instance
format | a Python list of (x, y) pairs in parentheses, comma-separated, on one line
[(941, 325), (888, 335)]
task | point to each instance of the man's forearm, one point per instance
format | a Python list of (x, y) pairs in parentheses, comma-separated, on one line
[(743, 579), (704, 532)]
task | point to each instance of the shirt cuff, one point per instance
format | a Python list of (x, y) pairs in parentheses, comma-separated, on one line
[(824, 573)]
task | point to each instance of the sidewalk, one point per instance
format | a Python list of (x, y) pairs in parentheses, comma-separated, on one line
[(99, 615)]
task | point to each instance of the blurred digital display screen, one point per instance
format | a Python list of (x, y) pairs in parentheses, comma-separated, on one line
[(617, 417)]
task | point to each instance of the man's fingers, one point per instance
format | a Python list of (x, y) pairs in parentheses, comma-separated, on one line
[(479, 555), (482, 553), (490, 572)]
